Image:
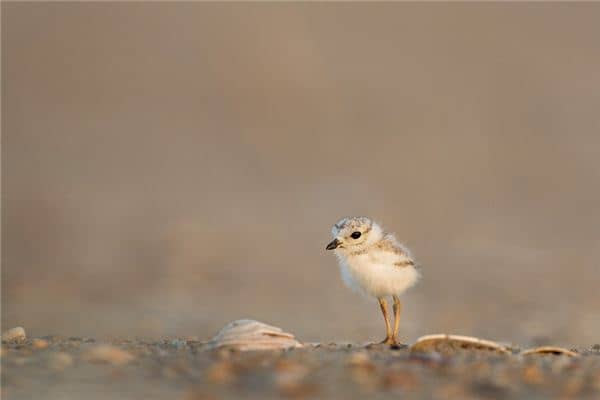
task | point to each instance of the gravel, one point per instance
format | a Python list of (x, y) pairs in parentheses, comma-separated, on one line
[(77, 368)]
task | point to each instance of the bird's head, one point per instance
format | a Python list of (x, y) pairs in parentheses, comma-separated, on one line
[(353, 234)]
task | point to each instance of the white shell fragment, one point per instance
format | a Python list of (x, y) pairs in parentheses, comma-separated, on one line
[(445, 343), (553, 350), (14, 334), (247, 334)]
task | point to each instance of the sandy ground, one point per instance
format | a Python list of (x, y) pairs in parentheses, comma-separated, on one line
[(180, 368)]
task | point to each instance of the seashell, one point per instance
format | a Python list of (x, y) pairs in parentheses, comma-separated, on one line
[(553, 350), (445, 343), (247, 334), (14, 335)]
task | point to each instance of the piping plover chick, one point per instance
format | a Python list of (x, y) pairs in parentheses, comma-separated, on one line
[(374, 263)]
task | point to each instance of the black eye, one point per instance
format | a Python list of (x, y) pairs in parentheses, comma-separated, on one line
[(355, 235)]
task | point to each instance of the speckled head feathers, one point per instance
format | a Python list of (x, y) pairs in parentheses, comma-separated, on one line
[(354, 232), (361, 224)]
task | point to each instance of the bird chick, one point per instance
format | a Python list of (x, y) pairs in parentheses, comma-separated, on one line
[(375, 264)]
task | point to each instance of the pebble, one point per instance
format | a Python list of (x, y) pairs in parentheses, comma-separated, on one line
[(20, 361), (60, 361), (290, 379), (359, 359), (14, 334), (595, 382), (404, 380), (363, 370), (178, 343), (197, 393), (533, 375), (221, 372), (431, 358), (366, 378), (106, 353), (169, 372), (574, 386), (39, 344), (355, 372)]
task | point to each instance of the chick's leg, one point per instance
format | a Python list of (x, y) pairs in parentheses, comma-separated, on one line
[(397, 309), (389, 337)]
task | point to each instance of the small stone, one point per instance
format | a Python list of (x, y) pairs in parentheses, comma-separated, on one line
[(161, 352), (14, 335), (290, 379), (573, 388), (595, 382), (39, 344), (60, 361), (359, 359), (221, 372), (488, 388), (106, 353), (429, 358), (365, 378), (20, 361), (198, 394), (363, 371), (404, 380), (178, 343), (169, 372), (533, 375), (287, 369), (299, 390), (452, 390)]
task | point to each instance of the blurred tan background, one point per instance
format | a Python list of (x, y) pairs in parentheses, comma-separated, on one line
[(167, 168)]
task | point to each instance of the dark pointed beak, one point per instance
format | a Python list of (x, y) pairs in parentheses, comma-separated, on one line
[(333, 245)]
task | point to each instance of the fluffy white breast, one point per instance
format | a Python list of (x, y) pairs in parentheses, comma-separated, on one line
[(376, 275)]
